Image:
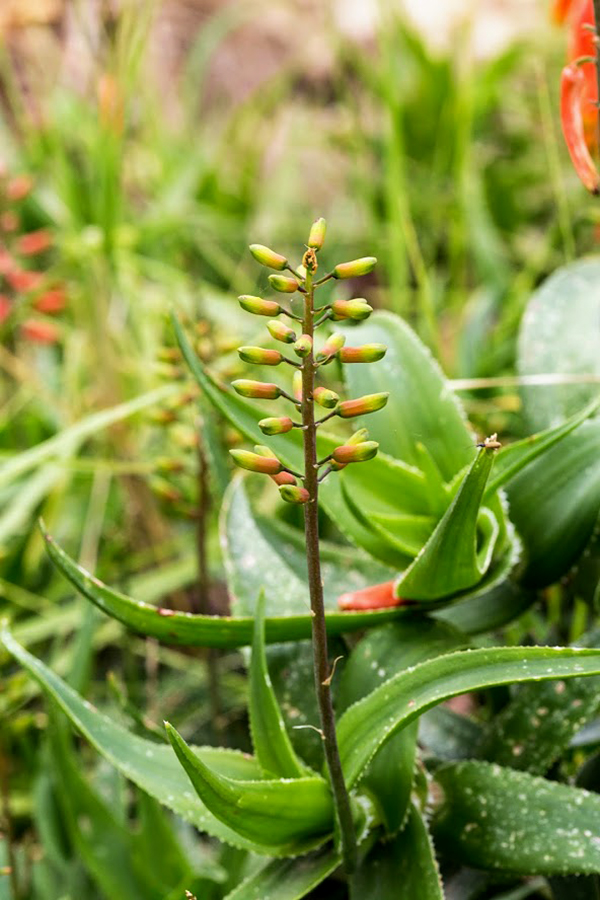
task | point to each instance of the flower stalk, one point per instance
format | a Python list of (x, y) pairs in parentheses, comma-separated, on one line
[(355, 449)]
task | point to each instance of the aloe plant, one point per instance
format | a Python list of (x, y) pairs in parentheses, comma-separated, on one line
[(428, 791)]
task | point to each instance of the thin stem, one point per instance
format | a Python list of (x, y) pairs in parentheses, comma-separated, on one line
[(324, 317), (325, 418), (292, 362), (290, 398), (288, 312), (323, 280), (319, 631), (597, 63)]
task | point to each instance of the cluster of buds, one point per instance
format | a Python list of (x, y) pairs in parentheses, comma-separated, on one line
[(27, 299), (306, 360)]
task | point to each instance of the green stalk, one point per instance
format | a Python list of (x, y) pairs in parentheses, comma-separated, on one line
[(315, 584)]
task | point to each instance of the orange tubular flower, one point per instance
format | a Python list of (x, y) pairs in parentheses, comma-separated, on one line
[(377, 596), (572, 87)]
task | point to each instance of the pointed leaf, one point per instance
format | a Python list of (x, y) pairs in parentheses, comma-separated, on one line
[(447, 735), (459, 551), (288, 814), (288, 879), (151, 766), (367, 725), (421, 407), (403, 868), (188, 630), (496, 818), (272, 745)]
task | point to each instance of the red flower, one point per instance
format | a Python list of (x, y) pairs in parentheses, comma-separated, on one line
[(378, 596), (34, 242), (40, 332), (572, 87), (51, 302), (18, 187), (5, 307), (23, 280)]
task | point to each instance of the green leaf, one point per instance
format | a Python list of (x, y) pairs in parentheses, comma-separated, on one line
[(65, 442), (559, 334), (288, 879), (459, 551), (488, 608), (403, 868), (380, 655), (188, 630), (367, 725), (515, 457), (288, 814), (447, 735), (151, 766), (263, 554), (491, 817), (537, 726), (555, 503), (272, 745), (421, 407)]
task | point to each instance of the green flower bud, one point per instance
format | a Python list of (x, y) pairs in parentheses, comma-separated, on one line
[(362, 405), (358, 437), (259, 307), (316, 238), (303, 345), (352, 453), (165, 490), (297, 385), (293, 494), (368, 353), (267, 257), (325, 397), (253, 462), (355, 268), (283, 284), (331, 346), (261, 390), (276, 425), (351, 309), (169, 465), (260, 356), (281, 332)]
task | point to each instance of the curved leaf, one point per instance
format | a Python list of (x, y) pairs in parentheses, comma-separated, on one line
[(559, 333), (367, 725), (459, 551), (188, 630), (288, 879), (403, 868), (381, 654), (421, 407), (496, 818), (272, 745), (151, 766), (288, 814)]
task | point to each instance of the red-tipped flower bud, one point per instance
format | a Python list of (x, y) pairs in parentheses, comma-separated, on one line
[(281, 332), (283, 478), (283, 284), (355, 267), (293, 494), (326, 398), (260, 390), (316, 238), (253, 462), (331, 346), (297, 385), (303, 345), (259, 307), (362, 405), (353, 453), (267, 257), (276, 425), (368, 353), (351, 309), (259, 356)]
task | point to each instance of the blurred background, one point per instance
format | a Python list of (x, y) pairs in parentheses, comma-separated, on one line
[(143, 145)]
